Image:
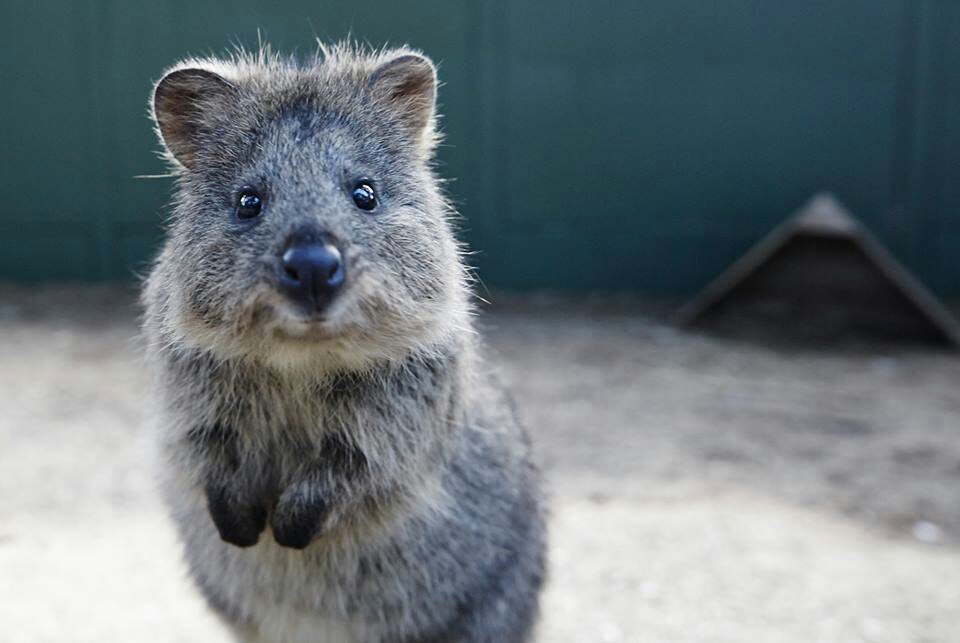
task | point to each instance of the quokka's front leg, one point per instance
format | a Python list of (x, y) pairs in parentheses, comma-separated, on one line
[(318, 493), (237, 509), (300, 513), (238, 521)]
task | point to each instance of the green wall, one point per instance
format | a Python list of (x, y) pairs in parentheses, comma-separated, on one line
[(595, 144)]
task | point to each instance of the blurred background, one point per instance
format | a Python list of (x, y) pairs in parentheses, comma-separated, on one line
[(610, 160), (652, 141)]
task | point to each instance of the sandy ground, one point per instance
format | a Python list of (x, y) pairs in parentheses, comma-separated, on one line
[(703, 489)]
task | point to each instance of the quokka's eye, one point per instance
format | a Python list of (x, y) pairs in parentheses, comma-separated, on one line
[(249, 203), (364, 196)]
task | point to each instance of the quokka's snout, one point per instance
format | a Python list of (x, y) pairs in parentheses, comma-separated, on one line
[(313, 270)]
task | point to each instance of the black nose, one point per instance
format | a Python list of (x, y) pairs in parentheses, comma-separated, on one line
[(313, 271)]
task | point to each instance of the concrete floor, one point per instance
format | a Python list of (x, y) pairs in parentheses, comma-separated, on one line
[(703, 489)]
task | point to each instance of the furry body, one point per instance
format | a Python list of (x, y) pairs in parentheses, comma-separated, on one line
[(353, 474)]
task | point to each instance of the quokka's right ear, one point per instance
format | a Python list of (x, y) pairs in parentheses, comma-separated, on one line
[(407, 83), (186, 102)]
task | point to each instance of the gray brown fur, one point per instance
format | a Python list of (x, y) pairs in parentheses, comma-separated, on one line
[(358, 477)]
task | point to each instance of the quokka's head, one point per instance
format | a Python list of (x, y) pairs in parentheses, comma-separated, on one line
[(308, 223)]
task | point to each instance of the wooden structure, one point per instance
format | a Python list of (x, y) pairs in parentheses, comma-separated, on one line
[(821, 276)]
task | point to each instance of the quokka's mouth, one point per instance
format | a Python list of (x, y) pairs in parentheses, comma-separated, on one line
[(270, 315), (309, 331), (272, 318), (304, 327)]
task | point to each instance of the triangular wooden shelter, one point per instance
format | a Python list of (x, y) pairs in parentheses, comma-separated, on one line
[(821, 275)]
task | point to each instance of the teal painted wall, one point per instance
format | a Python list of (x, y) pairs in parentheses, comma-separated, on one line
[(635, 145)]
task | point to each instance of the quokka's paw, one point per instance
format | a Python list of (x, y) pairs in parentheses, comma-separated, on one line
[(299, 515), (238, 523)]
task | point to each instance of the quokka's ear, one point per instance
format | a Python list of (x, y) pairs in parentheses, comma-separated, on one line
[(408, 84), (185, 103)]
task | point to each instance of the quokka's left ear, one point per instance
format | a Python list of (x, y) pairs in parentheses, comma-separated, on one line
[(408, 83), (184, 104)]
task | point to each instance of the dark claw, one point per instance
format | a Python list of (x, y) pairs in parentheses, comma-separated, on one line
[(238, 525)]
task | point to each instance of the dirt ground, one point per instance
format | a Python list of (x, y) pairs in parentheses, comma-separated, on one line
[(702, 489)]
